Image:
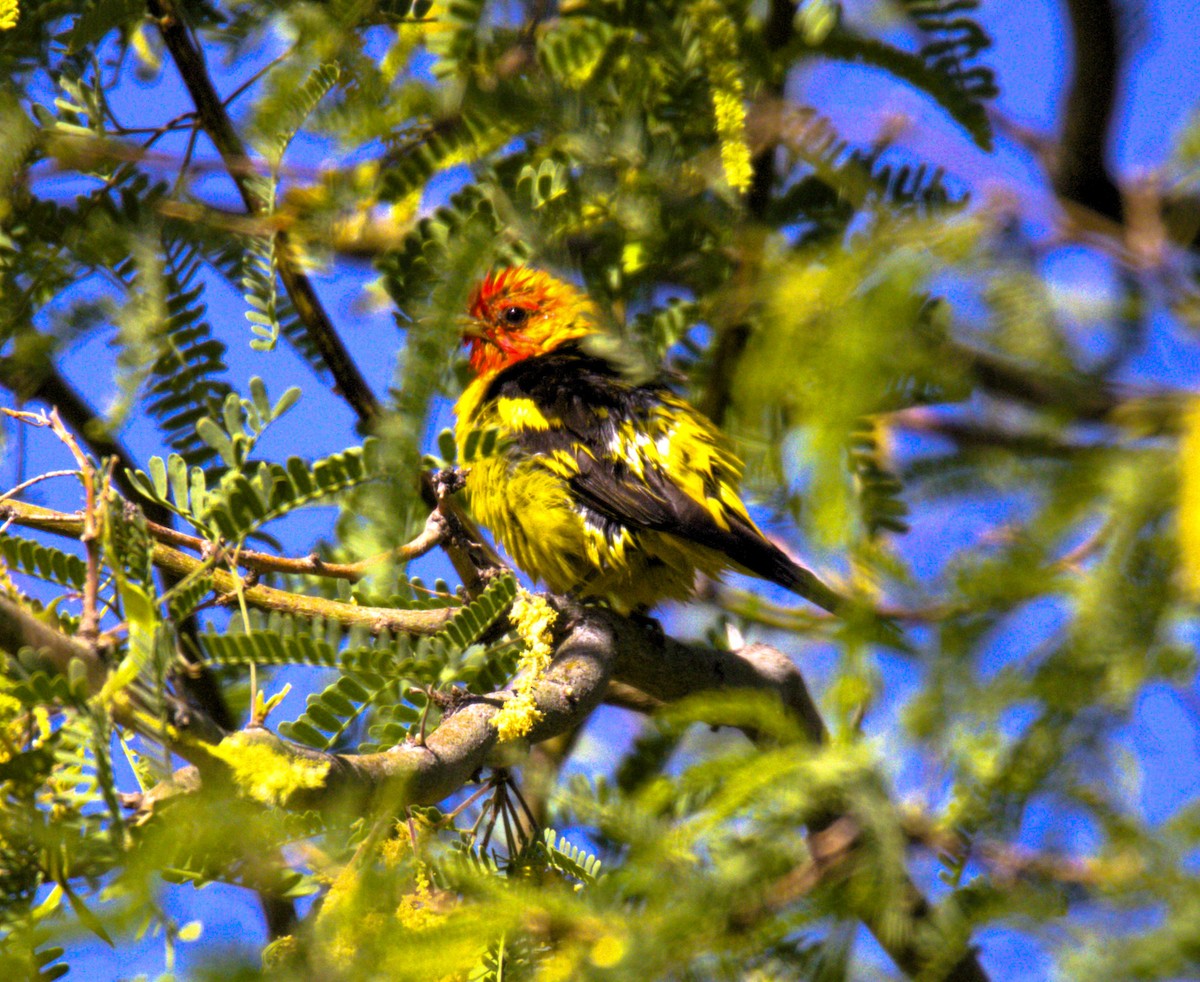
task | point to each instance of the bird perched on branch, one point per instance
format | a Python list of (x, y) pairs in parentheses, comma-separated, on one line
[(600, 487)]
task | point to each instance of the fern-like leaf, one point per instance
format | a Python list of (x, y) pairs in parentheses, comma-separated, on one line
[(240, 504), (260, 275), (331, 713), (881, 506), (944, 68), (410, 271), (44, 562), (455, 44), (472, 620), (299, 107), (232, 263), (572, 50), (289, 640), (187, 379), (99, 17), (570, 860), (438, 145)]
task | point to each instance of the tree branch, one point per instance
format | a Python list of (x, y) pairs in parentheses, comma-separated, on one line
[(597, 648), (224, 583), (678, 670), (469, 552), (1079, 172), (1009, 862), (20, 629), (430, 537), (1087, 399), (968, 435), (214, 119)]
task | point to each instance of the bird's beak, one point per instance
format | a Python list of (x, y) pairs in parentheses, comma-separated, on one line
[(472, 329)]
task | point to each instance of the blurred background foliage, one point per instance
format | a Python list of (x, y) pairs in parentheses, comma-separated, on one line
[(878, 338)]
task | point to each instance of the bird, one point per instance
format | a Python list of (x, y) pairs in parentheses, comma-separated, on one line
[(600, 486)]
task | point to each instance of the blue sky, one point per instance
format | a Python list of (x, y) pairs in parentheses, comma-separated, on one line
[(1161, 87)]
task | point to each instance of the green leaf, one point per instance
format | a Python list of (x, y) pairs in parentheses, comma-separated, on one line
[(86, 917), (187, 379), (177, 472), (258, 394), (962, 92), (297, 110), (45, 562), (289, 398), (158, 474), (215, 437), (98, 18)]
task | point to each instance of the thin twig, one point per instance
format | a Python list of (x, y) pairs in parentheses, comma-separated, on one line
[(431, 536), (89, 622), (34, 480), (503, 805), (487, 835), (241, 90), (474, 560), (533, 823), (1009, 862), (48, 386), (374, 619), (474, 797)]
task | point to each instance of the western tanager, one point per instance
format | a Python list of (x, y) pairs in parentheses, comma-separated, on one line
[(601, 487)]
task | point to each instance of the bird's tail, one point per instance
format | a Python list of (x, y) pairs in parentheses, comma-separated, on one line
[(773, 564), (777, 566)]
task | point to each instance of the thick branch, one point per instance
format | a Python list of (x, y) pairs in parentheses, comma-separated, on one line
[(424, 774), (967, 434), (598, 647), (676, 670), (1087, 400), (601, 647), (1080, 173), (20, 629)]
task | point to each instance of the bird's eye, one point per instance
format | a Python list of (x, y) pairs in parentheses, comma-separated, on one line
[(514, 316)]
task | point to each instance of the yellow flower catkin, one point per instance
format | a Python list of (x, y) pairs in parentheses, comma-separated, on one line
[(417, 909), (731, 129), (264, 772), (533, 620), (9, 14), (719, 44)]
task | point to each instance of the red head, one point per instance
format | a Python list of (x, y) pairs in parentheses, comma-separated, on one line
[(518, 313)]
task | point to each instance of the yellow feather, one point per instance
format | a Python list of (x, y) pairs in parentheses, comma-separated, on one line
[(520, 414)]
